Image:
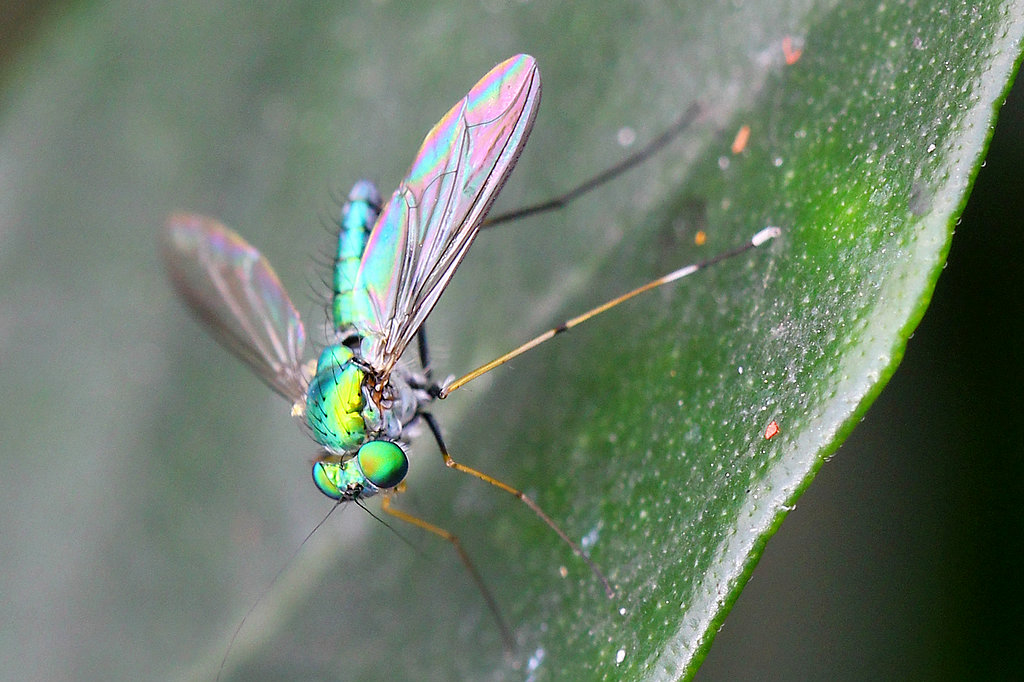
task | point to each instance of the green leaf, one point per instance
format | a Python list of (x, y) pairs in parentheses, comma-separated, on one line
[(154, 488)]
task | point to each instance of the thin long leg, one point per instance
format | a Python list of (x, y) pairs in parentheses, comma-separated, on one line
[(506, 634), (652, 148), (421, 337), (758, 239), (452, 464)]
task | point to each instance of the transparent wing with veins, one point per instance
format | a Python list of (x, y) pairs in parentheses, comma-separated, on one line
[(430, 221), (235, 292)]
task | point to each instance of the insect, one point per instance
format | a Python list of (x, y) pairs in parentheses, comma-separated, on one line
[(393, 261)]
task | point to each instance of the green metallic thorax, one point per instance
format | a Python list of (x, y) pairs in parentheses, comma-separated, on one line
[(335, 401)]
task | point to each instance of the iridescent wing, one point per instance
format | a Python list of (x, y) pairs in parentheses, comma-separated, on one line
[(430, 221), (231, 287)]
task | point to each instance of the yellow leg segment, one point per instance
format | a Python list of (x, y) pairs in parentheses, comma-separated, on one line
[(386, 507)]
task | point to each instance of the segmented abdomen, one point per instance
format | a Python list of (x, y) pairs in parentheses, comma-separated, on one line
[(357, 219)]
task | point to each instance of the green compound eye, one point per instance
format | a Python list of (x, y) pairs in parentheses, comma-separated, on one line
[(325, 476), (383, 463)]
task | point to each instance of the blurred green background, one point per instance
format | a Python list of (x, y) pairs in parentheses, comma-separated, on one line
[(901, 561)]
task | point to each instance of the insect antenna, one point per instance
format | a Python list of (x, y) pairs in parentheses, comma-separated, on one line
[(407, 541), (266, 591)]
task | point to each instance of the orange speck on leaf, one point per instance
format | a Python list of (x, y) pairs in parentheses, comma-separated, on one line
[(791, 52), (740, 142)]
